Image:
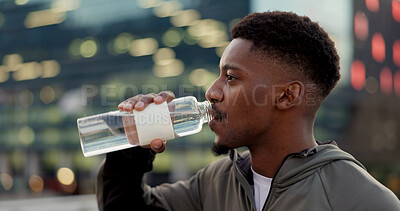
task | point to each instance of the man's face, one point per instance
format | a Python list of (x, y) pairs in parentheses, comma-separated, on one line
[(242, 97)]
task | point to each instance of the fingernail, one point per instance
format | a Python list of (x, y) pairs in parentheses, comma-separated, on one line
[(139, 104), (158, 98), (157, 145), (128, 106)]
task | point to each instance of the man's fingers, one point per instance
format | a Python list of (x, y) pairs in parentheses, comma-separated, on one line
[(140, 102), (145, 100), (129, 104), (130, 130), (164, 96), (158, 145)]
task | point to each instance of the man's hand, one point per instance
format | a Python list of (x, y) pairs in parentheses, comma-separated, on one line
[(139, 103)]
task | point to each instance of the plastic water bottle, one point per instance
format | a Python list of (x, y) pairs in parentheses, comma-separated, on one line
[(110, 131)]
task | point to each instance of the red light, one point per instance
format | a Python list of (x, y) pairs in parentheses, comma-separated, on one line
[(396, 10), (386, 80), (397, 83), (357, 75), (378, 47), (361, 26), (396, 52), (372, 5)]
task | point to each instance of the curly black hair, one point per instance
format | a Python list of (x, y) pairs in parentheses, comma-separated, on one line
[(296, 41)]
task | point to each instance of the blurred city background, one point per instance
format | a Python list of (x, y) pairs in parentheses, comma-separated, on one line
[(65, 59)]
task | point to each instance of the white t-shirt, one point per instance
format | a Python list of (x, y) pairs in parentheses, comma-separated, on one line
[(261, 189)]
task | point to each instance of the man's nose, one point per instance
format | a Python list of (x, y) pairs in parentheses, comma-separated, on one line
[(215, 93)]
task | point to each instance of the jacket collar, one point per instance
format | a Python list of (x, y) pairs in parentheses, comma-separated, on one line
[(243, 161)]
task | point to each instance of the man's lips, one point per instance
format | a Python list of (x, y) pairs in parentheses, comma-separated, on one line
[(217, 115)]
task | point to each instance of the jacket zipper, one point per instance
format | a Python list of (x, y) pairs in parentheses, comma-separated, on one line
[(273, 179)]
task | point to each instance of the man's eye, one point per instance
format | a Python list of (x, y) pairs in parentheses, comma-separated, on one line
[(229, 77)]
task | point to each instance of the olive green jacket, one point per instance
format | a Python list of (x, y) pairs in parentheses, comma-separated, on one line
[(320, 178)]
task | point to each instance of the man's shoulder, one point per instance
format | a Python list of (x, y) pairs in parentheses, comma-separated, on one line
[(348, 184)]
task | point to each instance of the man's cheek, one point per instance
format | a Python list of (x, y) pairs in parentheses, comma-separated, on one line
[(238, 96), (259, 95)]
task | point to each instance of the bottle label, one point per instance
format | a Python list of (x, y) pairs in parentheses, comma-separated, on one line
[(154, 122)]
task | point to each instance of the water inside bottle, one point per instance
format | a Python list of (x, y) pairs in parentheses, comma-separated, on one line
[(106, 132), (103, 133), (186, 123), (110, 131), (188, 115)]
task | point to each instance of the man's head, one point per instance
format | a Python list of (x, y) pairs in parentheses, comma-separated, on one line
[(276, 60), (295, 42)]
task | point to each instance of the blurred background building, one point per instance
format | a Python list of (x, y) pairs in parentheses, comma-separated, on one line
[(61, 60)]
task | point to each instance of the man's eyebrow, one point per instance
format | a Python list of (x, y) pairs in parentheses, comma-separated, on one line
[(229, 67)]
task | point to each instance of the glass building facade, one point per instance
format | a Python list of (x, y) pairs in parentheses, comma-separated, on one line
[(61, 60)]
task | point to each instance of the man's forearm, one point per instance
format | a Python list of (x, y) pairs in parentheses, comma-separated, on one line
[(121, 179)]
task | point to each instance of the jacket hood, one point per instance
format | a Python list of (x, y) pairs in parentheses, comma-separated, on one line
[(297, 166)]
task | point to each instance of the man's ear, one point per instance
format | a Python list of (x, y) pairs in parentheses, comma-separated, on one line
[(289, 95)]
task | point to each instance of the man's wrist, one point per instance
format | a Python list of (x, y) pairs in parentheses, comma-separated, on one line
[(136, 159)]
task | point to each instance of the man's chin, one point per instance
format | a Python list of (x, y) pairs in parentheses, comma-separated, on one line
[(218, 149)]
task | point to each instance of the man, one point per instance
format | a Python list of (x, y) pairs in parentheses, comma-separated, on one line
[(261, 100)]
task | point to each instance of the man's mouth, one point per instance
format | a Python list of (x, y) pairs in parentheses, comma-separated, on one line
[(217, 115)]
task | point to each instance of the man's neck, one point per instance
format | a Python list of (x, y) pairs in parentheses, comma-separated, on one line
[(267, 157)]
